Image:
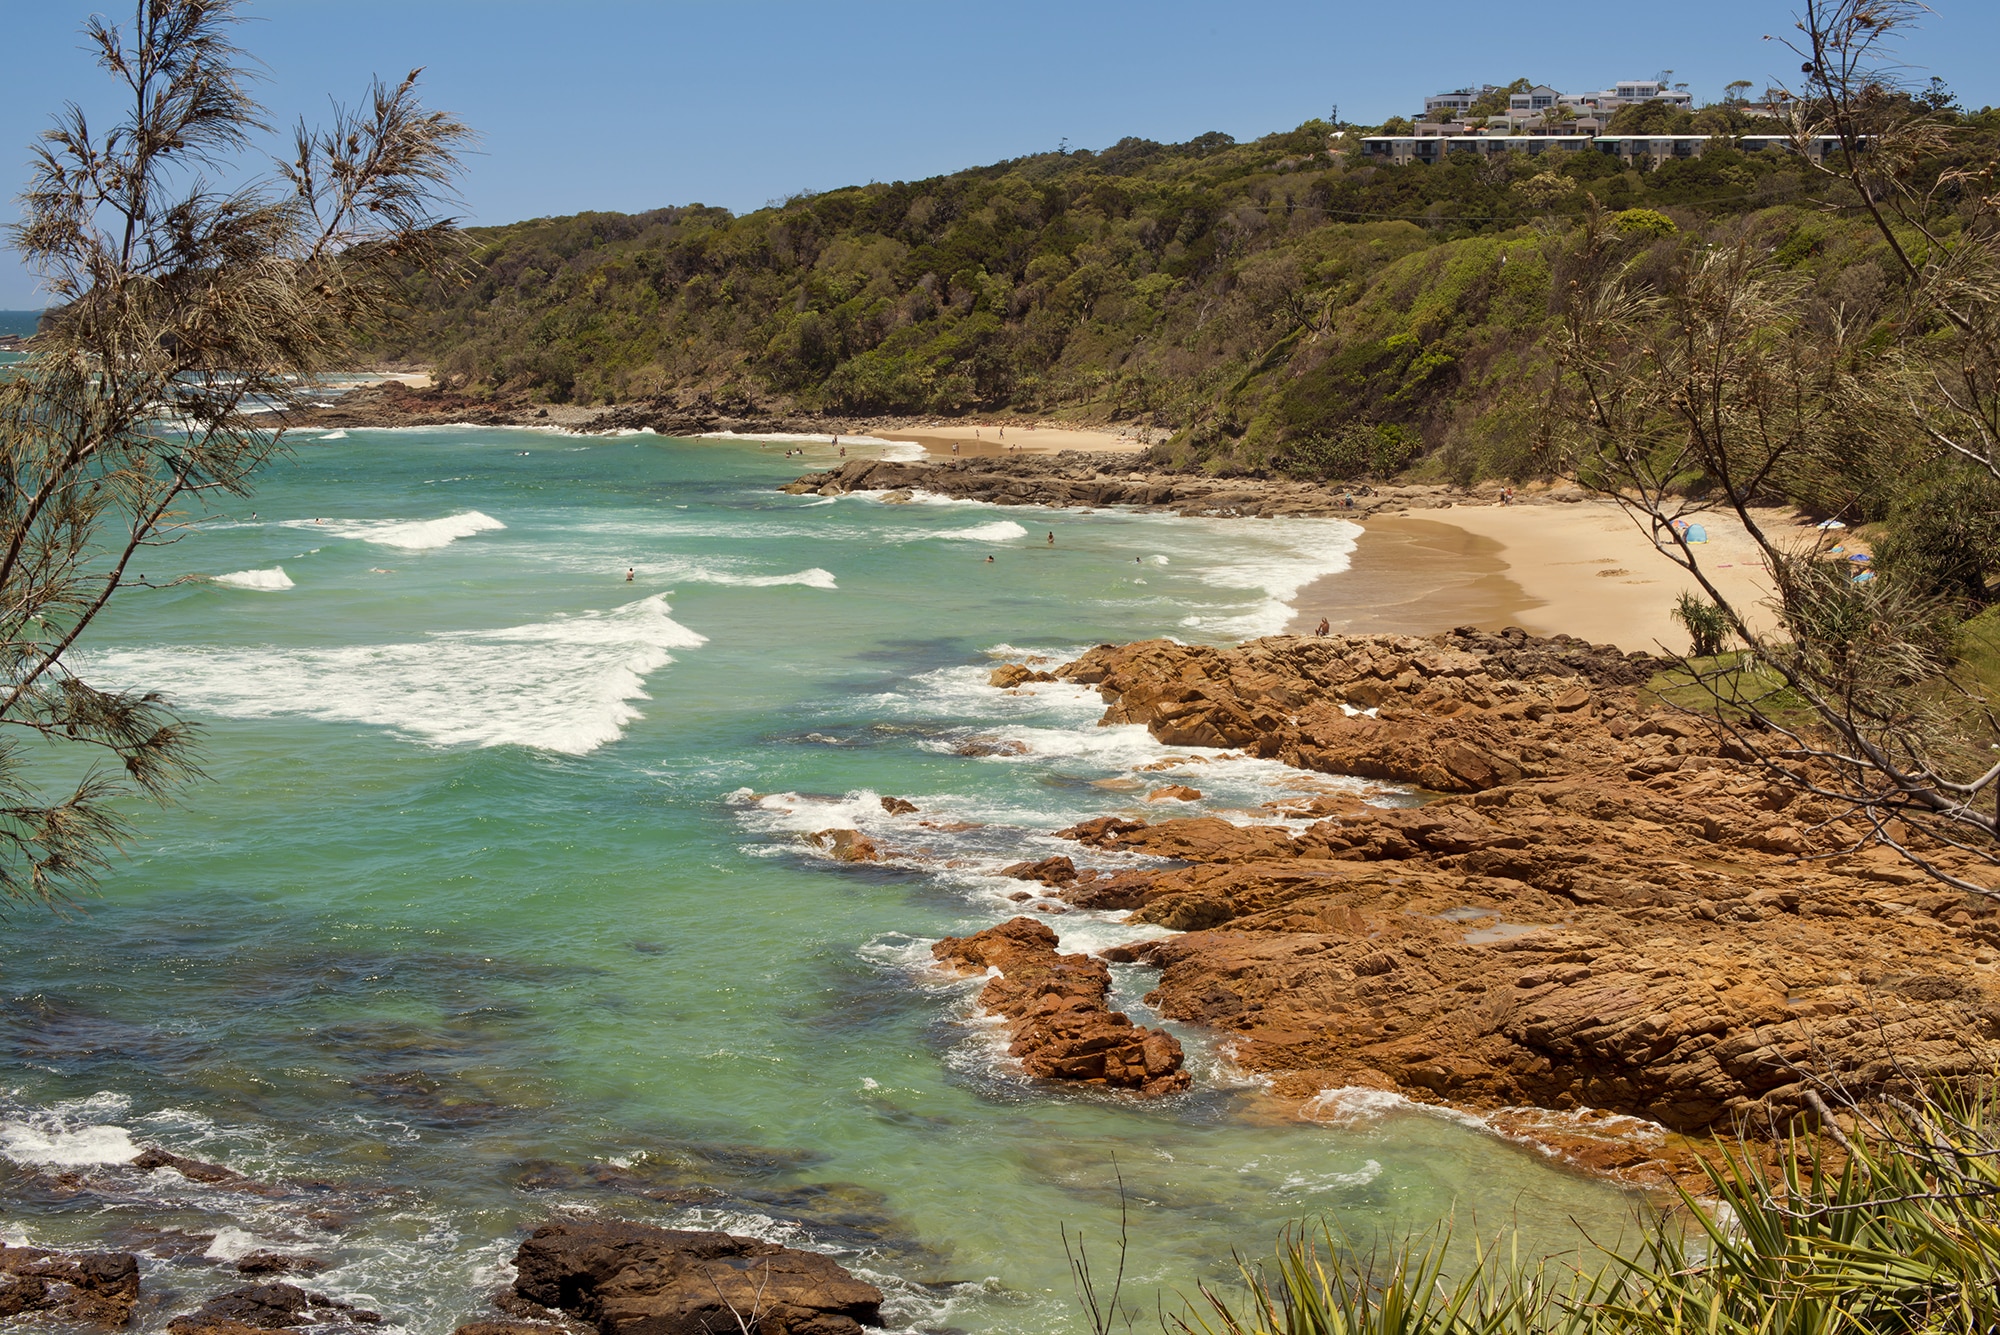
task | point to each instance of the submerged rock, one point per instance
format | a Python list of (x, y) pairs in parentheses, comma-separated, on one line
[(279, 1263), (635, 1279), (197, 1170), (1064, 1026), (270, 1307), (95, 1287)]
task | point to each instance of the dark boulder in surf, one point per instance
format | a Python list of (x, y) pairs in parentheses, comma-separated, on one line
[(95, 1287), (635, 1279), (271, 1307)]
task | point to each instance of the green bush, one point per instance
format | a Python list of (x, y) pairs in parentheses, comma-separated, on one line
[(1944, 537), (1704, 624), (1348, 452), (1643, 222)]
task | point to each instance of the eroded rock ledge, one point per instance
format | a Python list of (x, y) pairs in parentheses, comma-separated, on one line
[(1606, 909), (1064, 1027), (1073, 478)]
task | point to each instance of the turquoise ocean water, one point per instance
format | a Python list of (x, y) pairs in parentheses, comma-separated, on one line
[(496, 902)]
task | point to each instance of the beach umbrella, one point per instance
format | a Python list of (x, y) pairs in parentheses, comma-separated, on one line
[(1863, 557)]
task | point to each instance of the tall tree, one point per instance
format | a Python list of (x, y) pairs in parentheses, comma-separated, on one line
[(184, 312)]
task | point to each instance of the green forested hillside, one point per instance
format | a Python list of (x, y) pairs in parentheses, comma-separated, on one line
[(1284, 303)]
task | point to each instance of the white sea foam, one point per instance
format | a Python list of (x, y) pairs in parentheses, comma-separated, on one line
[(56, 1147), (1287, 555), (410, 535), (232, 1244), (1000, 530), (265, 580), (814, 578), (334, 435), (813, 438), (71, 1134), (564, 685), (1358, 1105)]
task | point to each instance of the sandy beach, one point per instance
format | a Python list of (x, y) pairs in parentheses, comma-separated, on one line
[(1582, 569)]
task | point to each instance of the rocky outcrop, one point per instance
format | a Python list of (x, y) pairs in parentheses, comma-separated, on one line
[(634, 1279), (1605, 908), (393, 404), (1009, 675), (97, 1288), (152, 1157), (1064, 1027), (1074, 478), (278, 1263), (845, 845), (263, 1307)]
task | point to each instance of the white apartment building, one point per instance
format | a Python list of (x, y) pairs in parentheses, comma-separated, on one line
[(1530, 109), (1536, 100), (1626, 92), (1458, 101)]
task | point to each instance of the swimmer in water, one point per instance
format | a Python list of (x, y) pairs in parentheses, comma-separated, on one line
[(989, 560), (1052, 538), (630, 572)]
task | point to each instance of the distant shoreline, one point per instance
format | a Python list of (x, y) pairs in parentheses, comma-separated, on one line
[(406, 396), (1431, 557)]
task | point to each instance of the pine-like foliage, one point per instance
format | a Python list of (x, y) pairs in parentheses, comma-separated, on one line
[(183, 313)]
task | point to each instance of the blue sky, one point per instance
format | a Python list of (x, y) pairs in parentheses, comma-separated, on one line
[(618, 104)]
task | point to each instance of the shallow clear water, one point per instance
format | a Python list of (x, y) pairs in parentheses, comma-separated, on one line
[(496, 903)]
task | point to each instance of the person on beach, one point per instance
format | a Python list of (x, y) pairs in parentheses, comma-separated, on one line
[(1324, 627), (954, 447), (843, 451)]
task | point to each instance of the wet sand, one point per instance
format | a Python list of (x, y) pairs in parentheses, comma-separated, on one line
[(1415, 577), (1578, 569)]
